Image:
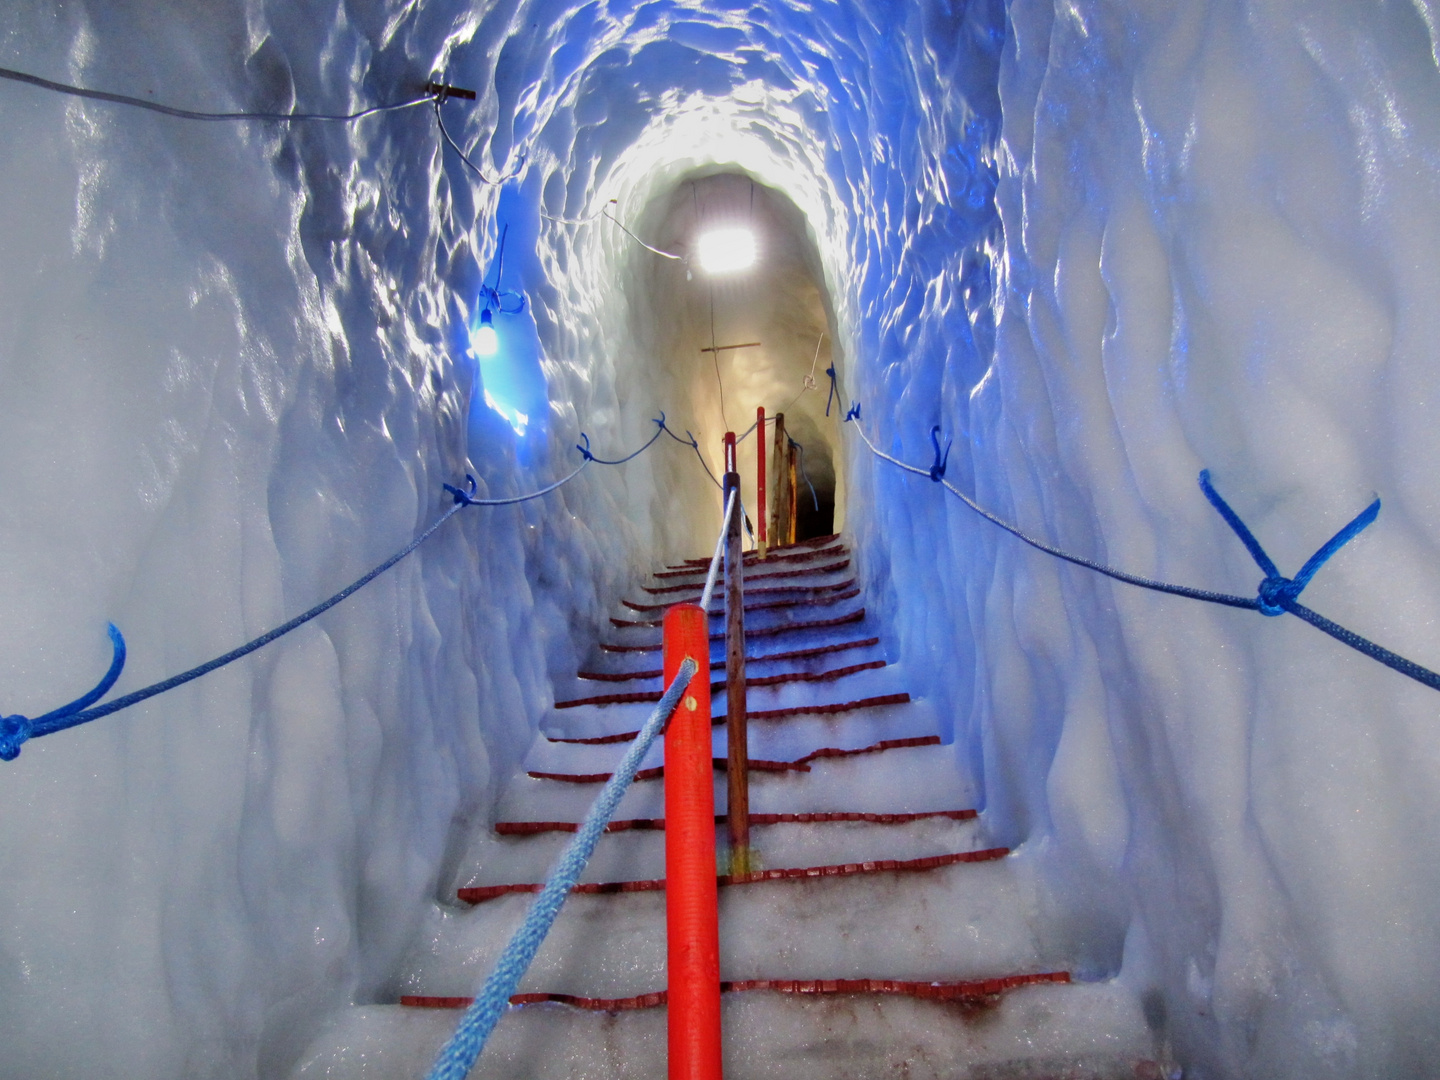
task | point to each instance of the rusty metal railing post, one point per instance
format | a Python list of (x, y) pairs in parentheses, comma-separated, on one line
[(691, 909), (737, 772)]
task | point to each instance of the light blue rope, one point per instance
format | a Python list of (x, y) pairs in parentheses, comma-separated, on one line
[(459, 1054)]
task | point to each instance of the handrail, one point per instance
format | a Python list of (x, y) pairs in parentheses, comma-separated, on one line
[(1276, 594), (465, 1045), (16, 730)]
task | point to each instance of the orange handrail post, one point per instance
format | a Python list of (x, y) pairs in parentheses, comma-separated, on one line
[(691, 912), (737, 747), (760, 475)]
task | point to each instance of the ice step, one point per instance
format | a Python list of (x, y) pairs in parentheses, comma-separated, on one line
[(1092, 1031), (960, 922), (840, 708), (799, 634), (766, 687), (637, 854), (894, 782), (608, 669)]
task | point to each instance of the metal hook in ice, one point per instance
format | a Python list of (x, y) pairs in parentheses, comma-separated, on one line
[(465, 498), (1278, 593), (15, 731), (937, 470)]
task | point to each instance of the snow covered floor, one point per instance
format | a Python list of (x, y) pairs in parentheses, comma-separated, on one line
[(1090, 1032)]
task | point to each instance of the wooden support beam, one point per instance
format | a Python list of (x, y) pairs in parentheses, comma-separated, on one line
[(736, 733)]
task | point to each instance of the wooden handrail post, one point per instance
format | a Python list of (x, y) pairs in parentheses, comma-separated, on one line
[(737, 774), (777, 513), (790, 507), (760, 503), (691, 912)]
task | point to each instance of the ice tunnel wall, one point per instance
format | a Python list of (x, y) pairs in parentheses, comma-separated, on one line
[(1101, 245)]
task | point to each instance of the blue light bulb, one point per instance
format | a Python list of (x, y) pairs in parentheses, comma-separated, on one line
[(485, 341)]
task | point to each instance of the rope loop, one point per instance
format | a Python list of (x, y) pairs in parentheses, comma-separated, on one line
[(1277, 593), (585, 450), (937, 470), (14, 732), (463, 498), (834, 394)]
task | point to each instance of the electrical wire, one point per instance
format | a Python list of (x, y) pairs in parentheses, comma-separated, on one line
[(190, 114), (463, 157)]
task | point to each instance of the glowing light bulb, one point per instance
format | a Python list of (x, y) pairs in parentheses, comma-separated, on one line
[(724, 251), (485, 341)]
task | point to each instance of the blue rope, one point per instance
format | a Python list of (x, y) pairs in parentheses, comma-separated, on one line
[(834, 394), (689, 441), (16, 730), (588, 456), (1279, 594), (459, 1054), (937, 471), (1276, 593)]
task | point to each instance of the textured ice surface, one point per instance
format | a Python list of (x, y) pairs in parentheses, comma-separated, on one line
[(1035, 1033), (1102, 244)]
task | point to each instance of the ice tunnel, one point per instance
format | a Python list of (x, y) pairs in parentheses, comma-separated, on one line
[(1092, 247)]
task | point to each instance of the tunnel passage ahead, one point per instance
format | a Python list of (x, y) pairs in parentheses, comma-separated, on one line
[(727, 342)]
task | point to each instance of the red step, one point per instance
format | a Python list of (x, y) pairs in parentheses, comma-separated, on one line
[(766, 591), (640, 696), (812, 572), (531, 828), (480, 893), (769, 605), (799, 550), (719, 665), (975, 991), (756, 764), (768, 631), (760, 714)]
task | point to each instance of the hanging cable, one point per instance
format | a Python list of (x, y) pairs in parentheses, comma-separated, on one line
[(465, 158), (191, 114)]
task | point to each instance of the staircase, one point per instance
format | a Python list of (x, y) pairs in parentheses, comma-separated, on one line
[(881, 936)]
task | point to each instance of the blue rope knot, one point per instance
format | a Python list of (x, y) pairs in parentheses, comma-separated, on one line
[(661, 421), (465, 498), (14, 732), (854, 413), (17, 730), (1278, 593), (585, 450), (937, 471)]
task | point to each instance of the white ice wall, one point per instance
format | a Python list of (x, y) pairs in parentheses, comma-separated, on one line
[(1220, 252)]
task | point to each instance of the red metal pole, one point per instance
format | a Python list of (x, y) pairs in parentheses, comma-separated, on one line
[(760, 504), (729, 452), (692, 921)]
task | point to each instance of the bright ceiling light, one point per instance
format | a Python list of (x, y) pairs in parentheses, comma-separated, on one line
[(724, 251)]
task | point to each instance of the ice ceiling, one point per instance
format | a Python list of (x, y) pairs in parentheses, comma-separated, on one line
[(1101, 244)]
